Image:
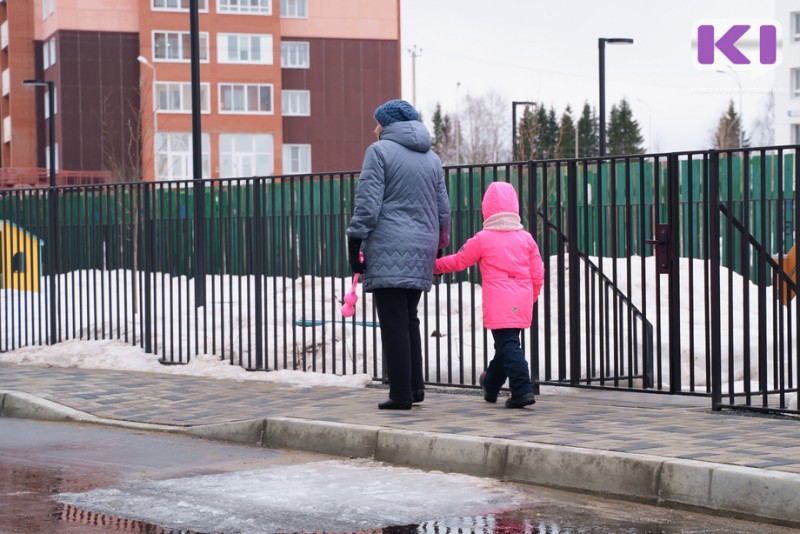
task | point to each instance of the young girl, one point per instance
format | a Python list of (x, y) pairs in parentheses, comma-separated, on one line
[(513, 274)]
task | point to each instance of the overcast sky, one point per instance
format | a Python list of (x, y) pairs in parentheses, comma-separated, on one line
[(547, 51)]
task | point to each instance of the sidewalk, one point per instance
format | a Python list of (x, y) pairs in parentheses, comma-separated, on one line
[(656, 448)]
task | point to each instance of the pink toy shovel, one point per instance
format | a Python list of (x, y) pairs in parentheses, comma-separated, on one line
[(351, 298)]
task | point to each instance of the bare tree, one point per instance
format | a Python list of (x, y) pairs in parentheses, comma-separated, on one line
[(126, 162), (485, 129)]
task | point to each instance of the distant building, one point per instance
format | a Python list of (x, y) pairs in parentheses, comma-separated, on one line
[(787, 77), (288, 86)]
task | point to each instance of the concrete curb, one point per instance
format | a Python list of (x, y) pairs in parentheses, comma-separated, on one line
[(741, 491)]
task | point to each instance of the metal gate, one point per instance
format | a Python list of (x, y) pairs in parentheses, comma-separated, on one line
[(675, 265)]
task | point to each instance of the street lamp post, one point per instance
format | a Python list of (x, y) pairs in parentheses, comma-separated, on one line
[(601, 44), (144, 61), (514, 105), (52, 240), (731, 72)]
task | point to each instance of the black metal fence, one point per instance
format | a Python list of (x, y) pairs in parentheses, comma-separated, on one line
[(666, 273)]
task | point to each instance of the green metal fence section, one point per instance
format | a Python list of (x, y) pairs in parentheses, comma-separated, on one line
[(304, 218)]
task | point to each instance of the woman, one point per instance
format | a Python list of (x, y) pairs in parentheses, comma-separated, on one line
[(400, 219)]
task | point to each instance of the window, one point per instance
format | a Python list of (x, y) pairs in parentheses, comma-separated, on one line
[(296, 159), (244, 48), (4, 35), (7, 129), (49, 53), (796, 26), (795, 134), (249, 7), (243, 155), (296, 103), (294, 55), (177, 46), (245, 98), (6, 82), (176, 97), (294, 9), (18, 262), (174, 156), (795, 83), (52, 6), (47, 156), (178, 5), (44, 9)]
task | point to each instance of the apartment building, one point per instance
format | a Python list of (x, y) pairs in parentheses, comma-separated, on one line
[(287, 86), (787, 86)]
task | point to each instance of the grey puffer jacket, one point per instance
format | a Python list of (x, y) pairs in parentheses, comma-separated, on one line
[(402, 211)]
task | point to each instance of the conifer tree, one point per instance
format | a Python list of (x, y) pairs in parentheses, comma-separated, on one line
[(726, 135), (566, 136), (527, 136), (588, 142), (623, 136)]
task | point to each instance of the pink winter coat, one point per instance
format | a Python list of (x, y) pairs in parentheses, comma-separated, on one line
[(509, 260)]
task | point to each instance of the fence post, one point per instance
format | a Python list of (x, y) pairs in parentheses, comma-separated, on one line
[(574, 275), (149, 251), (52, 200), (674, 279), (258, 268), (714, 289)]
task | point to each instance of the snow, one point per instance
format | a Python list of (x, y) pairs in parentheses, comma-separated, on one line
[(329, 496), (118, 356), (328, 346)]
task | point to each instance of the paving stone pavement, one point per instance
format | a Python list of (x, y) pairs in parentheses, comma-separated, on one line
[(677, 427)]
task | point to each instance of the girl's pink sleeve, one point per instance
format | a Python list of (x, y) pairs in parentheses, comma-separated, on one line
[(468, 255), (537, 270)]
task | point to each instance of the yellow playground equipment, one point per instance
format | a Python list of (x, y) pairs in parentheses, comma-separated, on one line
[(20, 258), (788, 266)]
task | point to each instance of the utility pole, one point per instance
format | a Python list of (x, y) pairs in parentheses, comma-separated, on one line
[(415, 53)]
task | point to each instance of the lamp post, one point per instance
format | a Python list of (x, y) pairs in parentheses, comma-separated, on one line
[(731, 72), (51, 100), (197, 160), (144, 61), (601, 44), (514, 105), (52, 240)]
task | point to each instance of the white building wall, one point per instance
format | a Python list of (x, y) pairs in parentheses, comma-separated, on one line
[(787, 106)]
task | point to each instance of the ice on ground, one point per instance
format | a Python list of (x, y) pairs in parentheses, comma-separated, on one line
[(331, 496)]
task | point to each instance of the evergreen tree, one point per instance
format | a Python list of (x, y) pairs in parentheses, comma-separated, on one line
[(623, 136), (550, 135), (539, 143), (526, 135), (439, 138), (566, 136), (588, 126), (443, 139), (728, 130)]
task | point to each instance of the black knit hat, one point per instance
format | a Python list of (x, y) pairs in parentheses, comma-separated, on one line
[(395, 111)]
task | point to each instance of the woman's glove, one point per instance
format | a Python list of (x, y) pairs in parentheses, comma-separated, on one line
[(353, 251)]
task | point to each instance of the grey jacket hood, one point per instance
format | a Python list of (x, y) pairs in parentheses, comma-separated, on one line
[(411, 134)]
